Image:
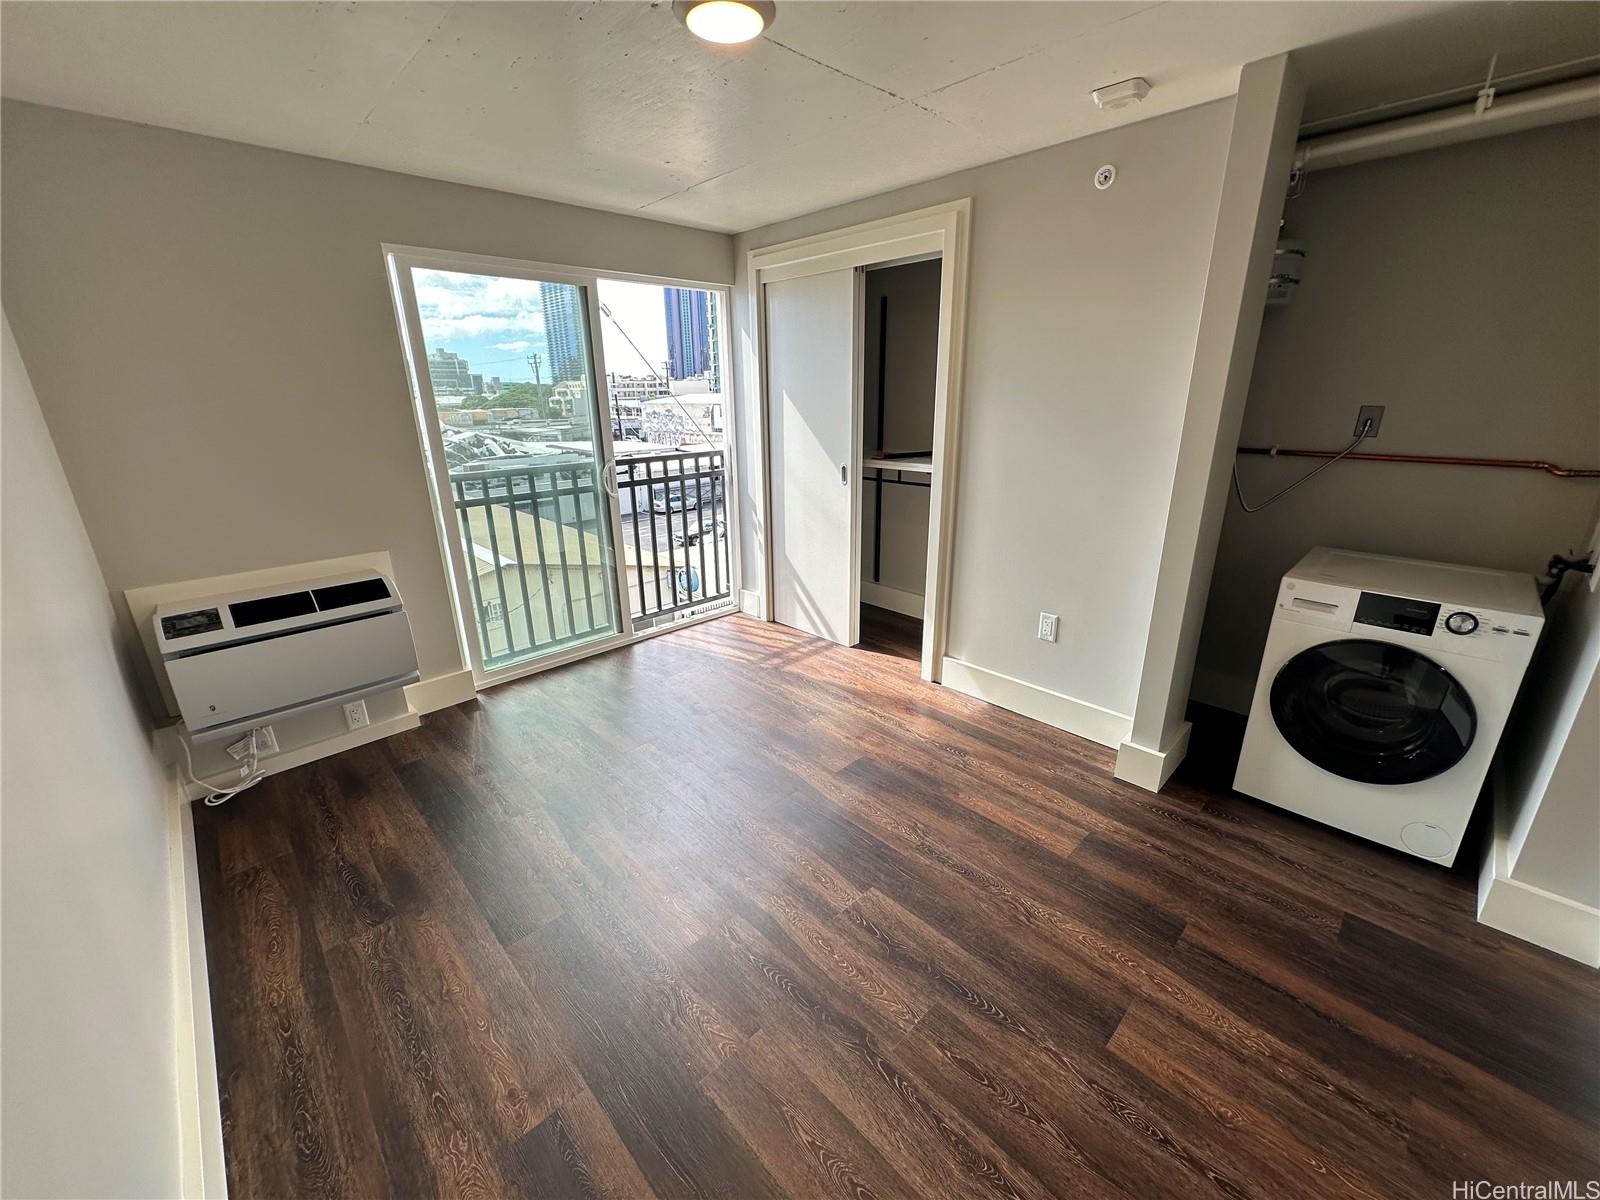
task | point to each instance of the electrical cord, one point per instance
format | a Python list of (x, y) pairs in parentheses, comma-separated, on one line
[(1366, 426), (216, 796)]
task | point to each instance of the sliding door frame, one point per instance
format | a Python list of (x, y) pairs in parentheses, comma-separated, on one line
[(943, 229), (399, 260)]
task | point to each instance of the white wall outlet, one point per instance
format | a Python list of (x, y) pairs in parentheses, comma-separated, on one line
[(266, 740), (1048, 624), (355, 715), (241, 749)]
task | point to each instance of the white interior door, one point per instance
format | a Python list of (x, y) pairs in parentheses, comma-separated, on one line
[(812, 351)]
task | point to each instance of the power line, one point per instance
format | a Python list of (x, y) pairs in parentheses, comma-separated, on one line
[(605, 311)]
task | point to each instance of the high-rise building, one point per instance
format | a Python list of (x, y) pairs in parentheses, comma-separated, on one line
[(563, 331), (450, 374), (688, 332), (713, 345)]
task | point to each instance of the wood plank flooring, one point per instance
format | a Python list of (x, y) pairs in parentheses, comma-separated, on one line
[(891, 633), (735, 912)]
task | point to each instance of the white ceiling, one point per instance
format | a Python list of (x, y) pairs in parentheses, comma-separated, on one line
[(617, 106)]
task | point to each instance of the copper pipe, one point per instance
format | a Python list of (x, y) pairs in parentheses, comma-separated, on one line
[(1518, 464)]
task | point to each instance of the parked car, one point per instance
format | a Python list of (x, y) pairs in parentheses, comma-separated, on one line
[(675, 495), (716, 529)]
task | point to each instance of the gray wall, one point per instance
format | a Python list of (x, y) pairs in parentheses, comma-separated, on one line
[(1460, 288), (1083, 310), (210, 332), (912, 347), (88, 1044)]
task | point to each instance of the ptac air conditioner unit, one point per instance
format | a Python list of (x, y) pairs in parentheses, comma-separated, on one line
[(237, 661)]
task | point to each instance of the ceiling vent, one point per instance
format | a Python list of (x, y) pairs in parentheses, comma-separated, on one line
[(1120, 95)]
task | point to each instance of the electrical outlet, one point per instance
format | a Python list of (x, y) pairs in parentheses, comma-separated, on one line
[(1048, 623), (1369, 413), (265, 742), (355, 715)]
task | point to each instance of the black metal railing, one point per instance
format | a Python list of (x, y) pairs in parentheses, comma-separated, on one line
[(540, 556), (535, 538), (675, 509), (676, 528)]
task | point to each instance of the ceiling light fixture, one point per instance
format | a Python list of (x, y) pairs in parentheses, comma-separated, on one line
[(725, 22)]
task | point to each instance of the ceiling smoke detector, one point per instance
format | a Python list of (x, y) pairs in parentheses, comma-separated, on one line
[(1120, 95), (725, 22)]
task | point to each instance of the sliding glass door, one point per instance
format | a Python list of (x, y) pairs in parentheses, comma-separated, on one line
[(504, 365), (578, 507)]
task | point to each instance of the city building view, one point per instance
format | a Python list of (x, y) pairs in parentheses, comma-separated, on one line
[(509, 368)]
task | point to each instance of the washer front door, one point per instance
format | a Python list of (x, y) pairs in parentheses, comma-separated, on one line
[(1373, 711)]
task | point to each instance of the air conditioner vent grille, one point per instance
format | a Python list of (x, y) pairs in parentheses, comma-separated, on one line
[(271, 608), (343, 595)]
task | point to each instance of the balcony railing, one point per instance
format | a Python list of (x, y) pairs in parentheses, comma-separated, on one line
[(675, 512), (537, 538)]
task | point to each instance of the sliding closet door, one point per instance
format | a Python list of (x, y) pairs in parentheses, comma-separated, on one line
[(811, 373)]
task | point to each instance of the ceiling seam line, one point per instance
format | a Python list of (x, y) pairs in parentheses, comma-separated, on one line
[(846, 74), (1037, 50)]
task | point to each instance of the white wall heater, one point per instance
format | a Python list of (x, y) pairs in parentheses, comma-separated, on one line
[(239, 660)]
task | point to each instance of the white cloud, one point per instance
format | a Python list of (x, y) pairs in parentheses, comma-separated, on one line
[(475, 325), (515, 347), (455, 305)]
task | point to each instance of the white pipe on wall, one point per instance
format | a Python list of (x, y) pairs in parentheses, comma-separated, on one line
[(1572, 101)]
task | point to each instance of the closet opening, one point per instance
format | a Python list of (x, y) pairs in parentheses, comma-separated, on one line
[(858, 336), (900, 356)]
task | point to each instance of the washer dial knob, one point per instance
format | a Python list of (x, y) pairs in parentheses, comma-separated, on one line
[(1461, 622)]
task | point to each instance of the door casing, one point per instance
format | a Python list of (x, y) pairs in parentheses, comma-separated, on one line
[(943, 230)]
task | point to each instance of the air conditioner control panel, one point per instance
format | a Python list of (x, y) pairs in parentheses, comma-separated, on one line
[(189, 624)]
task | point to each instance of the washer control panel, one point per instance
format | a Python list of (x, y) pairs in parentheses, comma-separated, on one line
[(1484, 634), (1448, 627), (1397, 612)]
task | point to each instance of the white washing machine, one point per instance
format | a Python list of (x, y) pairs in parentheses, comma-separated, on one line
[(1384, 687)]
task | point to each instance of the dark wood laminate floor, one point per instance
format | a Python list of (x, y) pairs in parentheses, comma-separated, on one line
[(891, 633), (738, 913)]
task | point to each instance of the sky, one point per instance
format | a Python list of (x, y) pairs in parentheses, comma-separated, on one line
[(497, 322)]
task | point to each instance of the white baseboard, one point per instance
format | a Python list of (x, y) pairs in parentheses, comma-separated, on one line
[(203, 1171), (1150, 769), (750, 603), (440, 691), (1533, 914), (881, 595), (1075, 716)]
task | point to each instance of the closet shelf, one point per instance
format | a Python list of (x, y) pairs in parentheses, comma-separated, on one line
[(921, 464)]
